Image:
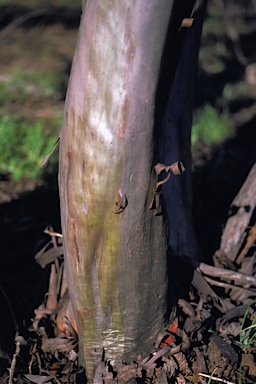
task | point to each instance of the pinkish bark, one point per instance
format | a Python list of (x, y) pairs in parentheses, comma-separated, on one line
[(115, 254)]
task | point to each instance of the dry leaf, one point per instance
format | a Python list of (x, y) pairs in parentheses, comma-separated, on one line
[(247, 359)]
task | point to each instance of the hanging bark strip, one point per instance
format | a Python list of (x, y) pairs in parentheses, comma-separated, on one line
[(176, 169)]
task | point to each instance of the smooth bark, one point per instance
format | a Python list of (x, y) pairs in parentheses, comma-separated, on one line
[(115, 247)]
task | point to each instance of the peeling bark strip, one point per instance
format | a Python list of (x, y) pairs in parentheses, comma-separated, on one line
[(116, 264), (177, 169)]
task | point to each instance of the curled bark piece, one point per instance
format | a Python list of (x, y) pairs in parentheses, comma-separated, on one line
[(163, 181), (187, 22), (159, 168), (186, 308), (177, 168), (161, 352)]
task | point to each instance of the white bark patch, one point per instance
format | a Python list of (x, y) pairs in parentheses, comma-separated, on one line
[(105, 78)]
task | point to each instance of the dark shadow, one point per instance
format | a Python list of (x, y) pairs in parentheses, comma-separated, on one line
[(181, 271), (8, 330), (211, 86), (22, 222), (217, 182)]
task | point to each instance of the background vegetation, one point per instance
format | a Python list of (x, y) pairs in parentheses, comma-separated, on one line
[(226, 70), (37, 40)]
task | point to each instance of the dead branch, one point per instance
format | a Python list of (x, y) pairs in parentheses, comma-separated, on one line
[(229, 286), (243, 207), (24, 18), (226, 274)]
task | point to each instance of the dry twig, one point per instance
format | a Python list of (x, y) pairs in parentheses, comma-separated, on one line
[(225, 274)]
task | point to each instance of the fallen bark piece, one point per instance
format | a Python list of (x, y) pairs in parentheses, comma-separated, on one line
[(227, 351), (204, 289), (241, 209)]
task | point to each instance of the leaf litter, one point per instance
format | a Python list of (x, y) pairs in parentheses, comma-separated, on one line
[(211, 339)]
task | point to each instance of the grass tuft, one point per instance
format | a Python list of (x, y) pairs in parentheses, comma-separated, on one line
[(209, 126), (247, 335), (24, 147)]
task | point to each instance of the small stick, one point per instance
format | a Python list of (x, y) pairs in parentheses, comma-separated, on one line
[(50, 154), (18, 341), (49, 232), (229, 286), (215, 378)]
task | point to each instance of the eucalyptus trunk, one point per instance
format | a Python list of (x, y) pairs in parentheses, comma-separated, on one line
[(115, 247), (115, 243)]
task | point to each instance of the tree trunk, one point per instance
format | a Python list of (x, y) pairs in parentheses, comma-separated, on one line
[(114, 244), (115, 254)]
